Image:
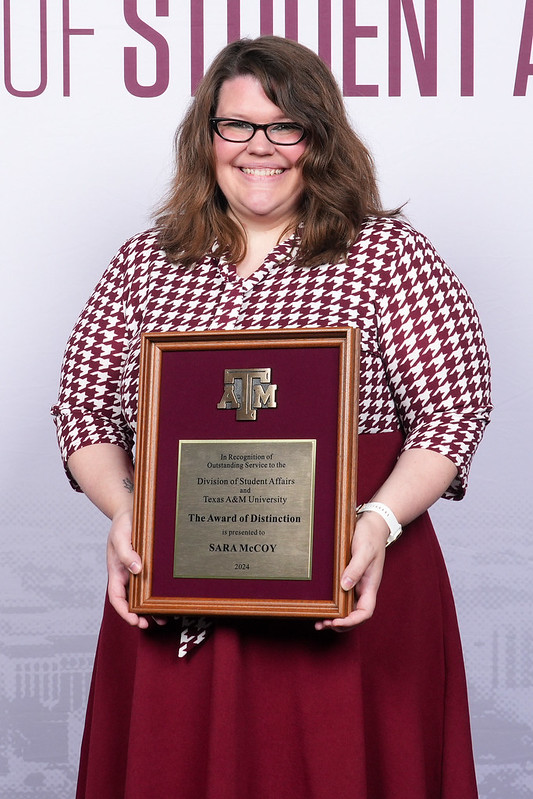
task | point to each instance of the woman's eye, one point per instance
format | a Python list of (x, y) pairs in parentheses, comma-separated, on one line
[(235, 124), (285, 127)]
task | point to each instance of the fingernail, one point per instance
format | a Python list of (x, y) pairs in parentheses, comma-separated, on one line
[(347, 584), (134, 568)]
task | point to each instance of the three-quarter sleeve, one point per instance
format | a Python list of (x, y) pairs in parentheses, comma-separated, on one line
[(88, 409), (435, 355)]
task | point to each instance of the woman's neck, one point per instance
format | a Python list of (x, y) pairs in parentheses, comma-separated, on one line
[(259, 243)]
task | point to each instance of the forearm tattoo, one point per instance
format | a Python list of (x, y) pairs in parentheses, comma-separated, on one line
[(128, 485)]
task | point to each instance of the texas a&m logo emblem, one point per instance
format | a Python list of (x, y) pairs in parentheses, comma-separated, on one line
[(247, 390)]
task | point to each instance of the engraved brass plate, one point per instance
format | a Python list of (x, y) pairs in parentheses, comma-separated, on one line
[(245, 509)]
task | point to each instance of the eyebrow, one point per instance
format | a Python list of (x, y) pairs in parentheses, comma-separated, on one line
[(241, 118)]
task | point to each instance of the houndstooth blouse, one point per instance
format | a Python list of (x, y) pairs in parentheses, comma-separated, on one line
[(424, 364)]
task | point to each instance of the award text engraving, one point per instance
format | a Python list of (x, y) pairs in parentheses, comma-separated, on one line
[(246, 507)]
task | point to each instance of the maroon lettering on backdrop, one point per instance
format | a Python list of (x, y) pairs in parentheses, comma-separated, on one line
[(525, 67), (8, 58), (266, 18), (352, 32), (324, 31), (425, 60), (409, 31), (160, 44), (234, 20), (467, 48), (67, 33), (291, 19), (197, 42), (233, 28)]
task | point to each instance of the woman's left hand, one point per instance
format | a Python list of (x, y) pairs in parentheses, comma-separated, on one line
[(363, 573), (418, 479)]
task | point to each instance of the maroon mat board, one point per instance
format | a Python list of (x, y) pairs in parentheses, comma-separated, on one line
[(191, 386)]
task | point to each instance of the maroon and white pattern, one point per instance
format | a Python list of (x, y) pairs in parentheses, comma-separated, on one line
[(194, 631), (424, 364)]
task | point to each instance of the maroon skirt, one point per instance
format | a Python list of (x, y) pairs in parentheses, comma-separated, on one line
[(268, 709)]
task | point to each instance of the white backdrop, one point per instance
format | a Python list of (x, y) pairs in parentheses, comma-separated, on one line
[(86, 148)]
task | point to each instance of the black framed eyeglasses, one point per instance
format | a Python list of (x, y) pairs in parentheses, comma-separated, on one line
[(237, 130)]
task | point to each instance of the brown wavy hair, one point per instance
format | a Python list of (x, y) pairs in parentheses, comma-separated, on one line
[(340, 188)]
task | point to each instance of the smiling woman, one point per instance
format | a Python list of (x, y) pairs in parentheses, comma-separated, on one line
[(257, 84), (261, 232)]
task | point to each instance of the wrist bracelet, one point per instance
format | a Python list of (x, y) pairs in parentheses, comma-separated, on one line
[(385, 512)]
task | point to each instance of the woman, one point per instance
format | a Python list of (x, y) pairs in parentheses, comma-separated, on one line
[(274, 220)]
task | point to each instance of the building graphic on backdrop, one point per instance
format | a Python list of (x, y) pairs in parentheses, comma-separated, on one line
[(45, 683)]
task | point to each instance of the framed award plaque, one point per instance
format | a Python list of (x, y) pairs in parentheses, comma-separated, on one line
[(245, 475)]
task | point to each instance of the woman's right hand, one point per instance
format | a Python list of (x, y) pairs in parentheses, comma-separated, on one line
[(104, 472), (122, 560)]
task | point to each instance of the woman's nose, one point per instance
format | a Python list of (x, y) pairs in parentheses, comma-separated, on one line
[(260, 144)]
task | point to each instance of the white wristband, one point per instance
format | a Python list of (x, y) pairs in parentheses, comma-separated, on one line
[(385, 512)]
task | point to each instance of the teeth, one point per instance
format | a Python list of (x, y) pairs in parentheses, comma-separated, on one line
[(261, 171)]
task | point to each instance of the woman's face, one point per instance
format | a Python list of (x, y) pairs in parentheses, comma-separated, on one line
[(260, 180)]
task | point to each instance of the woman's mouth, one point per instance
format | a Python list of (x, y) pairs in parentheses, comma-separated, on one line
[(261, 172)]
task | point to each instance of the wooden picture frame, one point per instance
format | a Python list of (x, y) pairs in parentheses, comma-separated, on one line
[(212, 405)]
